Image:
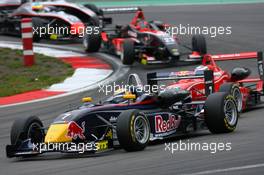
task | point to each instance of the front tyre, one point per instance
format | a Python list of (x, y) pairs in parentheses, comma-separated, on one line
[(234, 90), (199, 44), (128, 52), (221, 113), (133, 130), (92, 42), (27, 128)]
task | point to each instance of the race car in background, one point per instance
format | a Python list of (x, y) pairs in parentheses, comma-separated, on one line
[(145, 41), (62, 20), (10, 5), (129, 119), (246, 90), (87, 13)]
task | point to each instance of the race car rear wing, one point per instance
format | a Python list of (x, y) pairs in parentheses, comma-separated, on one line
[(241, 56), (120, 10), (154, 78), (236, 56)]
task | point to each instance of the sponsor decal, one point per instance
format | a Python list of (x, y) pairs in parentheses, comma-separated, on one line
[(102, 145), (209, 82), (166, 126), (75, 131), (109, 134), (113, 119), (182, 73)]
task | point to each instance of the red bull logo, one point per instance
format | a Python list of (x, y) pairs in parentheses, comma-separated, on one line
[(75, 131), (162, 126)]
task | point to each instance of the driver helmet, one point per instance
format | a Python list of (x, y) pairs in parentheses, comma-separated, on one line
[(141, 23), (131, 89), (200, 70), (118, 96), (36, 6)]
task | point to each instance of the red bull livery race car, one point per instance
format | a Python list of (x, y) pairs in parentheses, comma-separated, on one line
[(129, 119), (148, 42)]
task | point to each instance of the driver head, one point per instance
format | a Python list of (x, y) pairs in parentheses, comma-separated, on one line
[(200, 70)]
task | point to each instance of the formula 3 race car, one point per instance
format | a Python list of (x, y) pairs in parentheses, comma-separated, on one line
[(246, 90), (129, 119), (148, 42), (52, 20)]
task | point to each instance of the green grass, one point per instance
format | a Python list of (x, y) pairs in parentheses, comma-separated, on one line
[(15, 78)]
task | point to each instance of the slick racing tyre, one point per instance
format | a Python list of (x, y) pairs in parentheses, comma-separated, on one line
[(1, 27), (27, 128), (127, 53), (221, 113), (37, 23), (92, 42), (234, 90), (199, 44), (94, 8), (133, 130)]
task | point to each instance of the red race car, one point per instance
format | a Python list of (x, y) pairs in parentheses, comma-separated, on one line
[(148, 42), (246, 90)]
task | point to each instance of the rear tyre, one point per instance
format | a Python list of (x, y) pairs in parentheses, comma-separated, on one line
[(27, 128), (221, 114), (94, 8), (37, 23), (92, 42), (133, 130), (1, 26), (199, 44), (234, 90), (128, 53)]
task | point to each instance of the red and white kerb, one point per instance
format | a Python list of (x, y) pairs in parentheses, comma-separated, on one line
[(27, 39)]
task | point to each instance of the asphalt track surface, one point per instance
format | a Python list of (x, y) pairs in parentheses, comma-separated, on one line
[(247, 154)]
